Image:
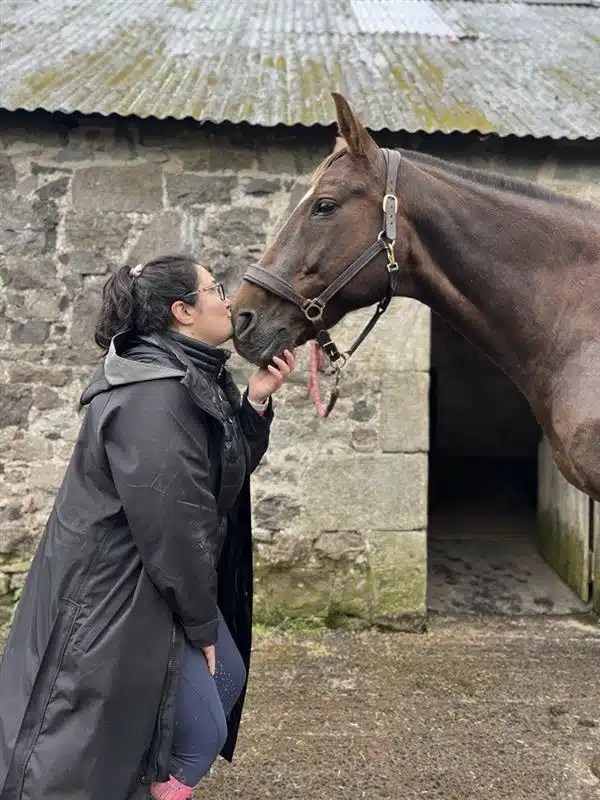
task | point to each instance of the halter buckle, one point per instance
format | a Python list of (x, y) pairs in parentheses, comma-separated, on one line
[(386, 199), (313, 310)]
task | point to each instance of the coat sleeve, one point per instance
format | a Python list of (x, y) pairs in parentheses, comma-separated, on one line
[(157, 444), (256, 429)]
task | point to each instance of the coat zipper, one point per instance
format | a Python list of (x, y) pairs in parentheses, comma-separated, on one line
[(154, 758)]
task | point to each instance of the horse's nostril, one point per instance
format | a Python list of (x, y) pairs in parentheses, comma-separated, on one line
[(245, 321)]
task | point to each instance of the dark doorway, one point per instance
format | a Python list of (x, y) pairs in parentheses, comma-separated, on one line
[(483, 490)]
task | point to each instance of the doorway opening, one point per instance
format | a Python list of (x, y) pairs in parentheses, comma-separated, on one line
[(482, 555)]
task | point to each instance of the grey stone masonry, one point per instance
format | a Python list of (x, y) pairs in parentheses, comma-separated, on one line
[(340, 505)]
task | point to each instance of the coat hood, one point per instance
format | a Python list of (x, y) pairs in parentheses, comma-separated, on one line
[(135, 360)]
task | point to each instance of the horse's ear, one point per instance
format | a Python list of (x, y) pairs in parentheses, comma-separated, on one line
[(356, 135)]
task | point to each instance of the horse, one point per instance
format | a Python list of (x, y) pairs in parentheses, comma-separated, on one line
[(512, 266)]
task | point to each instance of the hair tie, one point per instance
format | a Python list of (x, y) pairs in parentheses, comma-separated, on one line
[(136, 271)]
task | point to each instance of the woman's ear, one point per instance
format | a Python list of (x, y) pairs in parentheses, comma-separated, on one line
[(181, 312)]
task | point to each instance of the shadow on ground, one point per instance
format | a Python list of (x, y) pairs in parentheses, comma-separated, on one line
[(486, 708)]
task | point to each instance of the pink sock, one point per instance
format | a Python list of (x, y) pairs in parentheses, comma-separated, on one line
[(173, 790)]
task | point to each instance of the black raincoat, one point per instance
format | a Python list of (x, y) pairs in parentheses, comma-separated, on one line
[(150, 531)]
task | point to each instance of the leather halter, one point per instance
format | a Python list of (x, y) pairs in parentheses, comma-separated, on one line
[(314, 308)]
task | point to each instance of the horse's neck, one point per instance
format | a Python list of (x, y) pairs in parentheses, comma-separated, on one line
[(485, 259)]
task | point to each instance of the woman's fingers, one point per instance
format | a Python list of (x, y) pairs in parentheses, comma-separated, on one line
[(277, 376), (285, 366), (210, 656)]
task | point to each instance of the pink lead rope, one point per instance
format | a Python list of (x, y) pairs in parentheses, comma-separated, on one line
[(316, 361)]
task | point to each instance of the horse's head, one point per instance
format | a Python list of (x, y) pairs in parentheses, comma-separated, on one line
[(338, 219)]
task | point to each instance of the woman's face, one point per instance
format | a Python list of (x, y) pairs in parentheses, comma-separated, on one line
[(209, 319)]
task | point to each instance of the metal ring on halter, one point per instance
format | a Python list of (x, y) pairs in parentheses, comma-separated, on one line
[(382, 237), (389, 249), (313, 310), (336, 367)]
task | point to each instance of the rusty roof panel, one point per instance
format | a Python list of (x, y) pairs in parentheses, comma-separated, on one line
[(451, 65)]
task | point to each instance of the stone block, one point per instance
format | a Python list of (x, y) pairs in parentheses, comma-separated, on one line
[(22, 228), (61, 423), (11, 511), (327, 591), (400, 340), (45, 398), (122, 188), (261, 186), (86, 262), (17, 581), (227, 265), (216, 158), (308, 157), (86, 306), (398, 572), (7, 173), (15, 402), (26, 186), (163, 234), (96, 232), (54, 189), (298, 592), (30, 273), (32, 332), (287, 549), (275, 511), (378, 578), (44, 306), (17, 539), (404, 412), (362, 411), (240, 226), (22, 372), (364, 440), (348, 546), (277, 159), (49, 169), (188, 190), (363, 492), (47, 475)]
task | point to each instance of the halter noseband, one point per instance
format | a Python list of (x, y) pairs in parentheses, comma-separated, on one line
[(314, 308)]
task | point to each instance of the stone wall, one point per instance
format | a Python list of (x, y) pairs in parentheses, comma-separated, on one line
[(340, 505)]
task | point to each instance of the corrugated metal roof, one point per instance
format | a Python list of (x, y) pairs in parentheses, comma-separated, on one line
[(404, 16), (503, 67)]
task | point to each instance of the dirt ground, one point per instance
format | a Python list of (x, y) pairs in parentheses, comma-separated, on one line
[(486, 708)]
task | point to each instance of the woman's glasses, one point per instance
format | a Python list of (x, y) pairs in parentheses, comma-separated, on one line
[(218, 288)]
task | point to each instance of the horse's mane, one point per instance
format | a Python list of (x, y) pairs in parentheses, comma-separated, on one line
[(494, 179)]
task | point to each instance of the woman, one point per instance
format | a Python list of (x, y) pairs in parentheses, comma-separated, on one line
[(125, 670)]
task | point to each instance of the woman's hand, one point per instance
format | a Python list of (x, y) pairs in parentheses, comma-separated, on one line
[(266, 381), (211, 659)]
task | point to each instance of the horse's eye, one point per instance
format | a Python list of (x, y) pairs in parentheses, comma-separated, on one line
[(324, 207)]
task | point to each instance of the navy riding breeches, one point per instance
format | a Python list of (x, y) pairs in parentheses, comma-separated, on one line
[(202, 705)]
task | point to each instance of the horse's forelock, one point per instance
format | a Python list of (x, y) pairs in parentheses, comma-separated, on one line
[(339, 150)]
